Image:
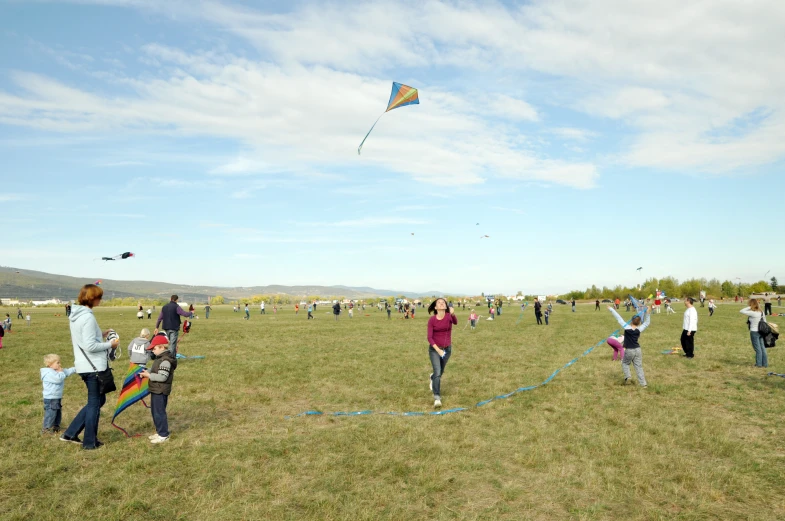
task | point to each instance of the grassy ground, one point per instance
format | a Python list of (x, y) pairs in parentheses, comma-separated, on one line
[(701, 442)]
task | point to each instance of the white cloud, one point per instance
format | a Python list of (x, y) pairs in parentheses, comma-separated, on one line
[(676, 76), (112, 164), (366, 222), (577, 134), (13, 197)]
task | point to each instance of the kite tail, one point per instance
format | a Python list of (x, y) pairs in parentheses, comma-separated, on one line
[(368, 134)]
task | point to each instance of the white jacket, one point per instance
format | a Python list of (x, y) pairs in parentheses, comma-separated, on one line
[(86, 334)]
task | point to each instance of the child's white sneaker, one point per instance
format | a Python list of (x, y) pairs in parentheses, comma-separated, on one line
[(437, 403), (159, 439), (153, 436)]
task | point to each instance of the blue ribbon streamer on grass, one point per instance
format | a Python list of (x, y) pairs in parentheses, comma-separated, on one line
[(478, 404)]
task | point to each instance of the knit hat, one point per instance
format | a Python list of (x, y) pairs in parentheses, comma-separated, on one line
[(158, 340)]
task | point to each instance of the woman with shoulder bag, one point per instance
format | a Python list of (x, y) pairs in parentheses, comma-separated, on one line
[(91, 357), (756, 316)]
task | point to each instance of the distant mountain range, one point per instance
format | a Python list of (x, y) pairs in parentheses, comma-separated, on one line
[(24, 284)]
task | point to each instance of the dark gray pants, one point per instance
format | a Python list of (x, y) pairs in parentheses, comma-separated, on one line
[(438, 364), (158, 404), (173, 335), (53, 414)]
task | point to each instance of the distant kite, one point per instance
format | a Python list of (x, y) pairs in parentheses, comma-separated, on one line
[(120, 256), (485, 236), (412, 233), (401, 96), (97, 282), (639, 268)]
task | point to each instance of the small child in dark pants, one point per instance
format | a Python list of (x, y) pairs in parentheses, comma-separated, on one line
[(161, 375), (53, 377)]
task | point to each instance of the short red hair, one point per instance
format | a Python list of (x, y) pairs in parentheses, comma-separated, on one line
[(89, 294)]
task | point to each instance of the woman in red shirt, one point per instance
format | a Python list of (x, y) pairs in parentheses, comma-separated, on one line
[(439, 343)]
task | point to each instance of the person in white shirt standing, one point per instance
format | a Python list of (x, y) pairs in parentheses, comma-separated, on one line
[(261, 308), (689, 328), (756, 316)]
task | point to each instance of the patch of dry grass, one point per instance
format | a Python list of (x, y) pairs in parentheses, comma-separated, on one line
[(701, 442)]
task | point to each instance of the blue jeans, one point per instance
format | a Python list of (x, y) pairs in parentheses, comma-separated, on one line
[(53, 414), (761, 357), (87, 419), (158, 404), (206, 315), (438, 364), (173, 335)]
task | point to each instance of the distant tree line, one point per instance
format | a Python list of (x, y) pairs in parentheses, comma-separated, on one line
[(673, 288)]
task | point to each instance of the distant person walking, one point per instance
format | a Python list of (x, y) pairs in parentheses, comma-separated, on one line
[(766, 304), (538, 312), (18, 313), (261, 308), (712, 306), (689, 328), (755, 317), (170, 318), (310, 311), (336, 310), (439, 344), (597, 305), (207, 310), (572, 302), (91, 356), (389, 309), (247, 312)]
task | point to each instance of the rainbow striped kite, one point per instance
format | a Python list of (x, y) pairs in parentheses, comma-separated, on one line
[(134, 389), (401, 96)]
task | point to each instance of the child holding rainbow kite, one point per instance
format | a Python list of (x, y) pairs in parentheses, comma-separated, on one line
[(160, 375)]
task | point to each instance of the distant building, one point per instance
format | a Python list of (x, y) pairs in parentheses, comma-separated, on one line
[(46, 302)]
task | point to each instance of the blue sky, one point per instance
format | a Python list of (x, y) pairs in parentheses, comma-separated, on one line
[(217, 141)]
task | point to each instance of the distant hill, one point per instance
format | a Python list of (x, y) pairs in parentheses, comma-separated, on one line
[(24, 284)]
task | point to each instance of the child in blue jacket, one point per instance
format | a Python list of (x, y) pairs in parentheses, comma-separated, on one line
[(53, 377)]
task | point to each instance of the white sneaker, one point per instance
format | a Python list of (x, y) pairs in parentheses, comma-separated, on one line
[(437, 403), (153, 436), (430, 382), (159, 439)]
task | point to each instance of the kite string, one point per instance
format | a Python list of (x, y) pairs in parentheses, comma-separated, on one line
[(369, 133)]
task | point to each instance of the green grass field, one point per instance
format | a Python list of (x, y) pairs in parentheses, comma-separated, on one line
[(704, 441)]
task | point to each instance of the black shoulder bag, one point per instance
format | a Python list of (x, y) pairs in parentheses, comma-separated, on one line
[(105, 377), (763, 327)]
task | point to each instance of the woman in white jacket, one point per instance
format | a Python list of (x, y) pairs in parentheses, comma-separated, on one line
[(91, 355), (755, 315)]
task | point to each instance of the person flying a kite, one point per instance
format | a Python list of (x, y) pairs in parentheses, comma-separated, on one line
[(401, 96)]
